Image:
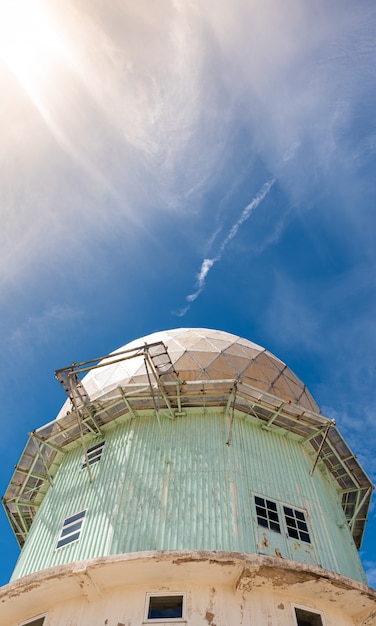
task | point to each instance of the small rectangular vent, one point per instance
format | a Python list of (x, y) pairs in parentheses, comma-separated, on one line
[(94, 454), (71, 529)]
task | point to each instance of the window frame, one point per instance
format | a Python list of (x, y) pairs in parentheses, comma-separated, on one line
[(163, 594), (62, 536), (282, 521), (96, 457), (32, 621), (308, 609), (271, 524)]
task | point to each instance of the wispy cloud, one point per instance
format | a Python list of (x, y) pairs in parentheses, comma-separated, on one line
[(207, 264), (109, 131), (37, 330)]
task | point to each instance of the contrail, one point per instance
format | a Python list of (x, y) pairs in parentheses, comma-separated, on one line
[(207, 264)]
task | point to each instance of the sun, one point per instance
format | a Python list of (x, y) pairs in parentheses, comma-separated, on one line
[(31, 43)]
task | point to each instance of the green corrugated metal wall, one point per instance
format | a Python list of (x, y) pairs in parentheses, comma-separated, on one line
[(186, 490)]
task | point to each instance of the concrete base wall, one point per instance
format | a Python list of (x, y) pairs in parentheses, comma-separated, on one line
[(220, 589)]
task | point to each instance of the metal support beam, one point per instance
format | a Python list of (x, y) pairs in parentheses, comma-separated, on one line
[(274, 416), (39, 452), (324, 436), (46, 442), (28, 473), (178, 398), (127, 403), (27, 503), (317, 432), (359, 506), (233, 396), (22, 519), (148, 361), (89, 418), (350, 474), (13, 522), (156, 408), (82, 436)]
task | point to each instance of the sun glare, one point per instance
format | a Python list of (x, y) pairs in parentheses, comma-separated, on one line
[(31, 43)]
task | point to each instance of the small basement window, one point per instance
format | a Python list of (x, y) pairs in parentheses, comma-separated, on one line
[(94, 454), (71, 529), (36, 621), (305, 617), (162, 608)]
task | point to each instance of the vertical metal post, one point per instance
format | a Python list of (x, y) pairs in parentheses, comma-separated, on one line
[(234, 389), (155, 406), (71, 384)]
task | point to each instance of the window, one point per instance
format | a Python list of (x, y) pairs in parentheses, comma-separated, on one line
[(305, 617), (296, 524), (94, 454), (161, 608), (71, 529), (36, 621), (267, 515)]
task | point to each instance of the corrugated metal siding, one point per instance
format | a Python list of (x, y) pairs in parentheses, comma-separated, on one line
[(185, 489)]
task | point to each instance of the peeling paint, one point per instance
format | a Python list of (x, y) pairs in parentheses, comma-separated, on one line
[(111, 583)]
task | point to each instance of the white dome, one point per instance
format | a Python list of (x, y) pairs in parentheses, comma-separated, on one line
[(202, 354)]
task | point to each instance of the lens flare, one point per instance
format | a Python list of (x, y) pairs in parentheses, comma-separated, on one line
[(31, 44)]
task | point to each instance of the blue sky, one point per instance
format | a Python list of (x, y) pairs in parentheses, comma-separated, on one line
[(186, 163)]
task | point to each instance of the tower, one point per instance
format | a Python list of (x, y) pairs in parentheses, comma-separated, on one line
[(190, 477)]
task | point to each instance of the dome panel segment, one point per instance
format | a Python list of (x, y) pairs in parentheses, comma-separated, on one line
[(219, 334), (219, 344), (281, 388), (204, 359), (272, 363), (188, 338), (220, 368), (187, 367), (235, 361), (249, 344), (204, 345)]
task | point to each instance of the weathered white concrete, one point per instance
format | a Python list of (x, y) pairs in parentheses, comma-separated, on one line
[(221, 589)]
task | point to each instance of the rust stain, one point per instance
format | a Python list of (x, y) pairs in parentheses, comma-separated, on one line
[(278, 553), (265, 542), (209, 617)]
